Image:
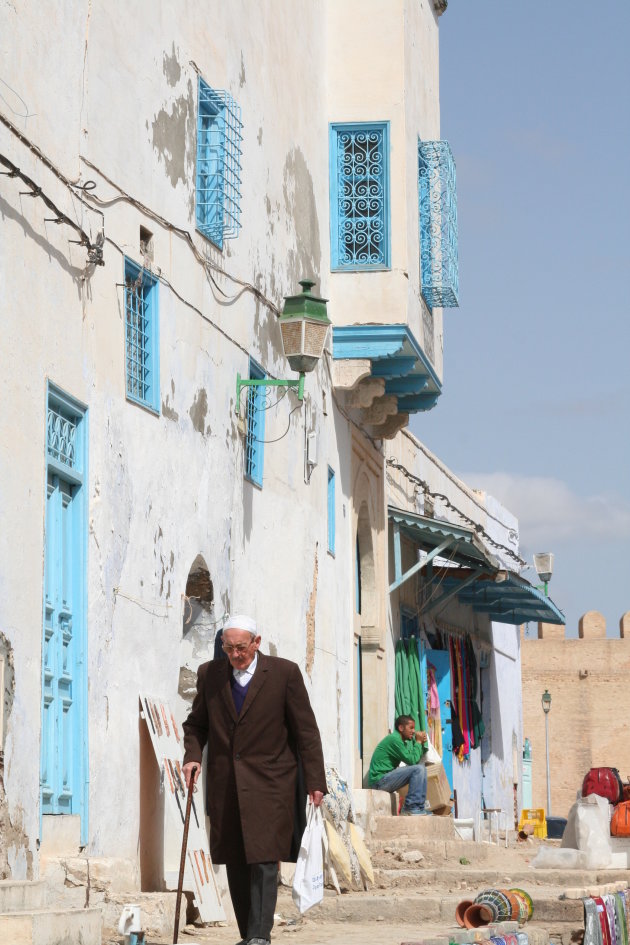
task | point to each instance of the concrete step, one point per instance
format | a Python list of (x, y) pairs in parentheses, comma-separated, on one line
[(421, 828), (45, 927), (21, 895), (404, 873), (425, 906), (451, 850)]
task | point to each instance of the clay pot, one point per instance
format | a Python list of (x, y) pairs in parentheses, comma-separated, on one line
[(460, 910), (477, 915)]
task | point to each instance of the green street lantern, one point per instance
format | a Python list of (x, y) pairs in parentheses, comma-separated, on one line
[(303, 326)]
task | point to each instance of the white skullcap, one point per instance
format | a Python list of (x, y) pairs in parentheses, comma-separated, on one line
[(241, 622)]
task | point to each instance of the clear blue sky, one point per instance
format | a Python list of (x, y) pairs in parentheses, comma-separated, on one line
[(535, 102)]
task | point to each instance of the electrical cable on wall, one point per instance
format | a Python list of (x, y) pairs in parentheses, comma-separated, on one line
[(476, 527)]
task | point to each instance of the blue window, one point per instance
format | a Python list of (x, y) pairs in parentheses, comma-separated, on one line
[(254, 440), (142, 337), (331, 511), (359, 196), (218, 196), (64, 756), (439, 266)]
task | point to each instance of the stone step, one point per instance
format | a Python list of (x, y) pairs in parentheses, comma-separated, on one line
[(21, 895), (425, 907), (45, 927), (441, 849), (409, 874), (428, 828)]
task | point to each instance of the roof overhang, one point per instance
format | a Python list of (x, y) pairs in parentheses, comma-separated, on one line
[(461, 546), (513, 600), (396, 357), (474, 576)]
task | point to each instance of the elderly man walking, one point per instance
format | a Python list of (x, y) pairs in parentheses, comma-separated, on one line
[(254, 713)]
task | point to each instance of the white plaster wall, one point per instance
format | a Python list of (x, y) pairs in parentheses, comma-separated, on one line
[(385, 67), (164, 489)]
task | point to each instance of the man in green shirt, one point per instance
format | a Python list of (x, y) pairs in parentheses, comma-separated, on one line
[(407, 745)]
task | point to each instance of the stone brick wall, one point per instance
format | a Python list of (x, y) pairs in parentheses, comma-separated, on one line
[(589, 682)]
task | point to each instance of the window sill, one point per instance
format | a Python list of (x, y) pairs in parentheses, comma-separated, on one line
[(209, 239), (142, 403), (356, 269), (253, 482)]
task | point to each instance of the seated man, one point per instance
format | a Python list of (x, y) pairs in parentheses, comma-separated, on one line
[(404, 744)]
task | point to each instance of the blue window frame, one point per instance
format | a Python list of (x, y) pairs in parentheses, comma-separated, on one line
[(142, 351), (64, 751), (359, 196), (331, 511), (439, 265), (254, 440), (218, 187)]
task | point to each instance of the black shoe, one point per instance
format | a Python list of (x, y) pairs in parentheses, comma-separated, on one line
[(258, 941)]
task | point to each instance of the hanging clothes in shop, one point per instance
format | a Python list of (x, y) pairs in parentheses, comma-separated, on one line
[(467, 724), (408, 697), (434, 719)]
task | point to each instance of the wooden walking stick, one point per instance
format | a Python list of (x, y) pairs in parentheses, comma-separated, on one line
[(182, 861)]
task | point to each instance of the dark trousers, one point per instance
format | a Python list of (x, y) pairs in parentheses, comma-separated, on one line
[(254, 891)]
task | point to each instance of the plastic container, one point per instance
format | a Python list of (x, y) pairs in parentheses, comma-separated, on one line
[(536, 817), (555, 827)]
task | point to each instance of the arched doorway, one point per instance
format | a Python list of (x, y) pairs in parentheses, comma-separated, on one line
[(198, 627)]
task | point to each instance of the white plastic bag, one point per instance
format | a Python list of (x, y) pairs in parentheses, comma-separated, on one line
[(308, 882), (432, 755)]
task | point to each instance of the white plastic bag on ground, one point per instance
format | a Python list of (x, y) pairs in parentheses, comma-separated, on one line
[(588, 830), (308, 882)]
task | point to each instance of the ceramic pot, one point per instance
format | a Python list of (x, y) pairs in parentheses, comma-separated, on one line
[(460, 911), (477, 915)]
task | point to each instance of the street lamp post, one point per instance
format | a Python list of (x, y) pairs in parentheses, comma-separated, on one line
[(546, 705)]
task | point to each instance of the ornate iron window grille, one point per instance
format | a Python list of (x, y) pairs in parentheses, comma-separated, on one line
[(61, 429), (439, 267), (140, 336), (255, 419), (359, 183), (218, 196)]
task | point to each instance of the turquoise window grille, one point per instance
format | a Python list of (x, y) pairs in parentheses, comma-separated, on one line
[(141, 337), (331, 511), (254, 440), (439, 267), (359, 196), (218, 189)]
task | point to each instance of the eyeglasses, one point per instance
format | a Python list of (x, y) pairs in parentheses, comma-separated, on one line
[(238, 648)]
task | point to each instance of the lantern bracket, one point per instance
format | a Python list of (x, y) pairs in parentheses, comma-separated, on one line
[(241, 382)]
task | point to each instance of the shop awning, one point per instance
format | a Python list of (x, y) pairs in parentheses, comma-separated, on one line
[(461, 547), (513, 600)]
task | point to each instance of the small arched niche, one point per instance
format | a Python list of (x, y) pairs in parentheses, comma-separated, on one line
[(198, 627), (366, 576)]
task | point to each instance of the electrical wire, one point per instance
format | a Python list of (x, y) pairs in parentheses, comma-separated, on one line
[(205, 261), (476, 527)]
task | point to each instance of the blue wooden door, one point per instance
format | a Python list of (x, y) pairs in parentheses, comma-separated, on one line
[(441, 661), (60, 710)]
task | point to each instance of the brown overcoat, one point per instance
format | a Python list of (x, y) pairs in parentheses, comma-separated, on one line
[(252, 762)]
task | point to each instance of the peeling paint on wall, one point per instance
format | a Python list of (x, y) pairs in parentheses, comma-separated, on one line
[(241, 78), (299, 199), (174, 137), (167, 410), (310, 621), (199, 411), (172, 68), (16, 859)]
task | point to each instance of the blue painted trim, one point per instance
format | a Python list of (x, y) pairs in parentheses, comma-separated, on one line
[(393, 367), (380, 342), (331, 510), (418, 402), (411, 384), (131, 270), (77, 478), (335, 129), (256, 412)]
